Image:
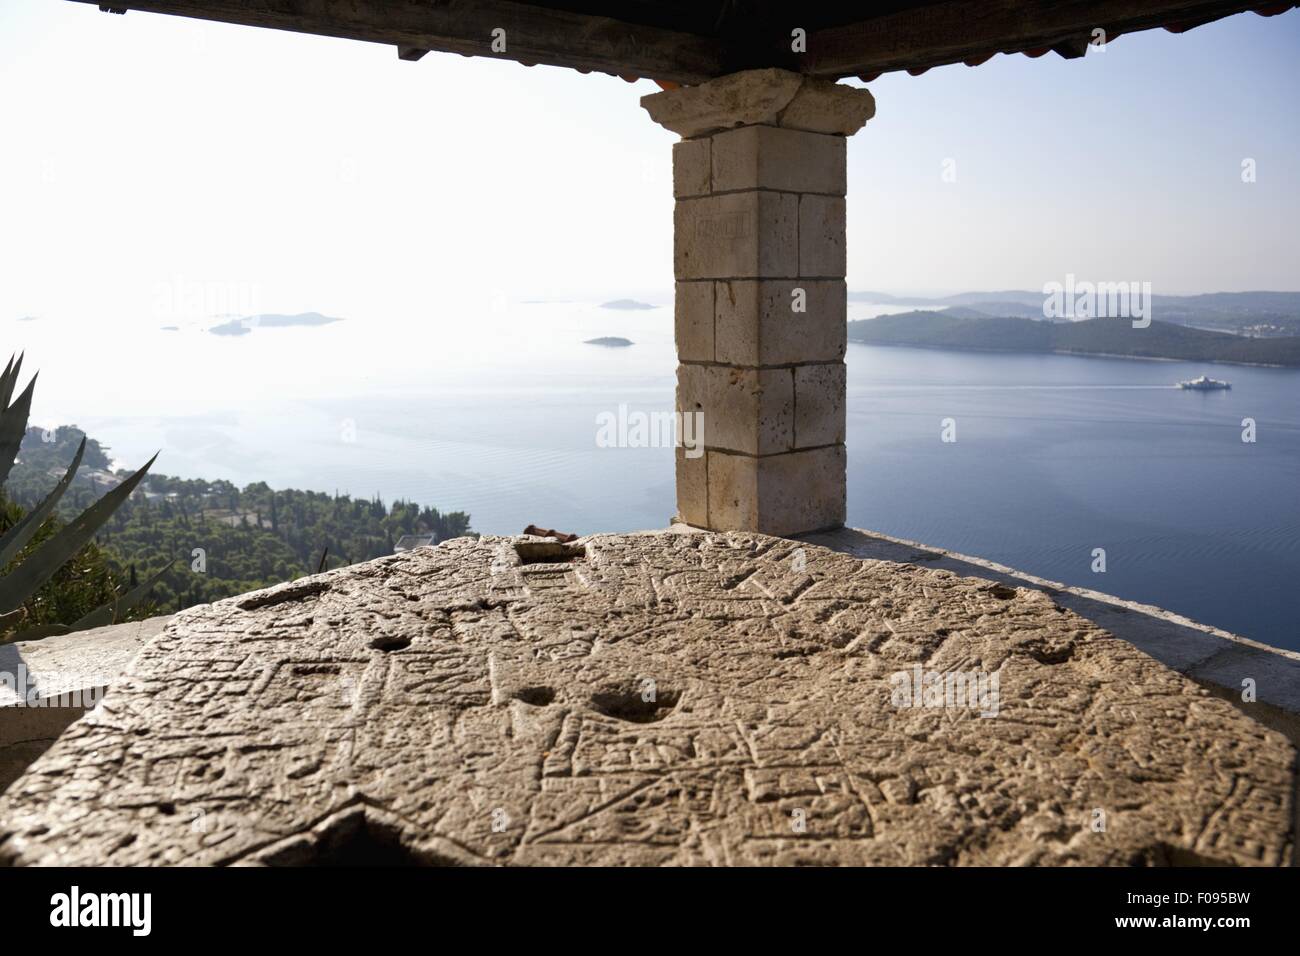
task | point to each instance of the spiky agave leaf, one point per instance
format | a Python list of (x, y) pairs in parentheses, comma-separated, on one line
[(21, 583), (9, 378), (13, 421), (16, 538), (100, 617), (109, 613)]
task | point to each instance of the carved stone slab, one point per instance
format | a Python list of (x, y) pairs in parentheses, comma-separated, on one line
[(661, 698)]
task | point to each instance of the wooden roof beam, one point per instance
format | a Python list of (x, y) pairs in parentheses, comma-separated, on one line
[(958, 30), (473, 28)]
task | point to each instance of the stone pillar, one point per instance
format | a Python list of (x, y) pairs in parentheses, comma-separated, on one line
[(761, 303)]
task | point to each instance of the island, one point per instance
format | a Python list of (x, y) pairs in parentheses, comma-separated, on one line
[(958, 329), (1256, 314), (627, 305), (246, 324), (609, 342)]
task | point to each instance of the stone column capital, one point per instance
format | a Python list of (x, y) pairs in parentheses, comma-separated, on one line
[(768, 97)]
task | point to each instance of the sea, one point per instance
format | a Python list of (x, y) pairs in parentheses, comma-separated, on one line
[(1194, 497)]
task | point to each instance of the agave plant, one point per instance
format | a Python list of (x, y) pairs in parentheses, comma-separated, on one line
[(25, 578)]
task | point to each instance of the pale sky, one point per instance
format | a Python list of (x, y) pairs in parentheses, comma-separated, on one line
[(155, 165)]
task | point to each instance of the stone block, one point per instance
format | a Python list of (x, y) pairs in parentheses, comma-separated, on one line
[(693, 321), (692, 488), (777, 494), (819, 405), (738, 235), (691, 168), (766, 157), (756, 323), (821, 236), (770, 97), (749, 410), (826, 107), (692, 388)]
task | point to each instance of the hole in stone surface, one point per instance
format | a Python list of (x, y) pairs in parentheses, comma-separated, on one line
[(1046, 653), (1002, 592), (548, 552), (352, 840), (626, 704), (388, 642), (167, 809), (536, 696)]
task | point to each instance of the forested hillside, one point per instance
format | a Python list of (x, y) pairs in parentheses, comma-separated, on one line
[(220, 539)]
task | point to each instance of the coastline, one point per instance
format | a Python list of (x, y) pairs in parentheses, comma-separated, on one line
[(1074, 352)]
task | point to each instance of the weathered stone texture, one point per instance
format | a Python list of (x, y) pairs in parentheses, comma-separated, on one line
[(745, 235), (821, 237), (692, 487), (691, 168), (767, 97), (693, 321), (777, 494), (767, 157), (819, 404), (491, 702), (757, 322)]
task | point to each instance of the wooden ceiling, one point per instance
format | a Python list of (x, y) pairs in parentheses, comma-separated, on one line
[(688, 41)]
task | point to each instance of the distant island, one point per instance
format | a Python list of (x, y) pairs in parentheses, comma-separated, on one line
[(627, 305), (1259, 314), (963, 328), (246, 324), (609, 341)]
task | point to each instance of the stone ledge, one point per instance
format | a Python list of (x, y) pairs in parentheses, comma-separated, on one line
[(63, 676)]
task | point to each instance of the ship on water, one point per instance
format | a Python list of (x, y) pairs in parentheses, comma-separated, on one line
[(1205, 384)]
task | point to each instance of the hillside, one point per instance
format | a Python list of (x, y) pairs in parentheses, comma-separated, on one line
[(1259, 314), (1095, 336), (220, 539)]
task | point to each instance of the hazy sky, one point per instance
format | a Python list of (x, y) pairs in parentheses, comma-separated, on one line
[(156, 166)]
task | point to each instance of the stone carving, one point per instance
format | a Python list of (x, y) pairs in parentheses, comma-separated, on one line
[(658, 698)]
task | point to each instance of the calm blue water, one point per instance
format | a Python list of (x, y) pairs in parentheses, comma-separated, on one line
[(1055, 455)]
